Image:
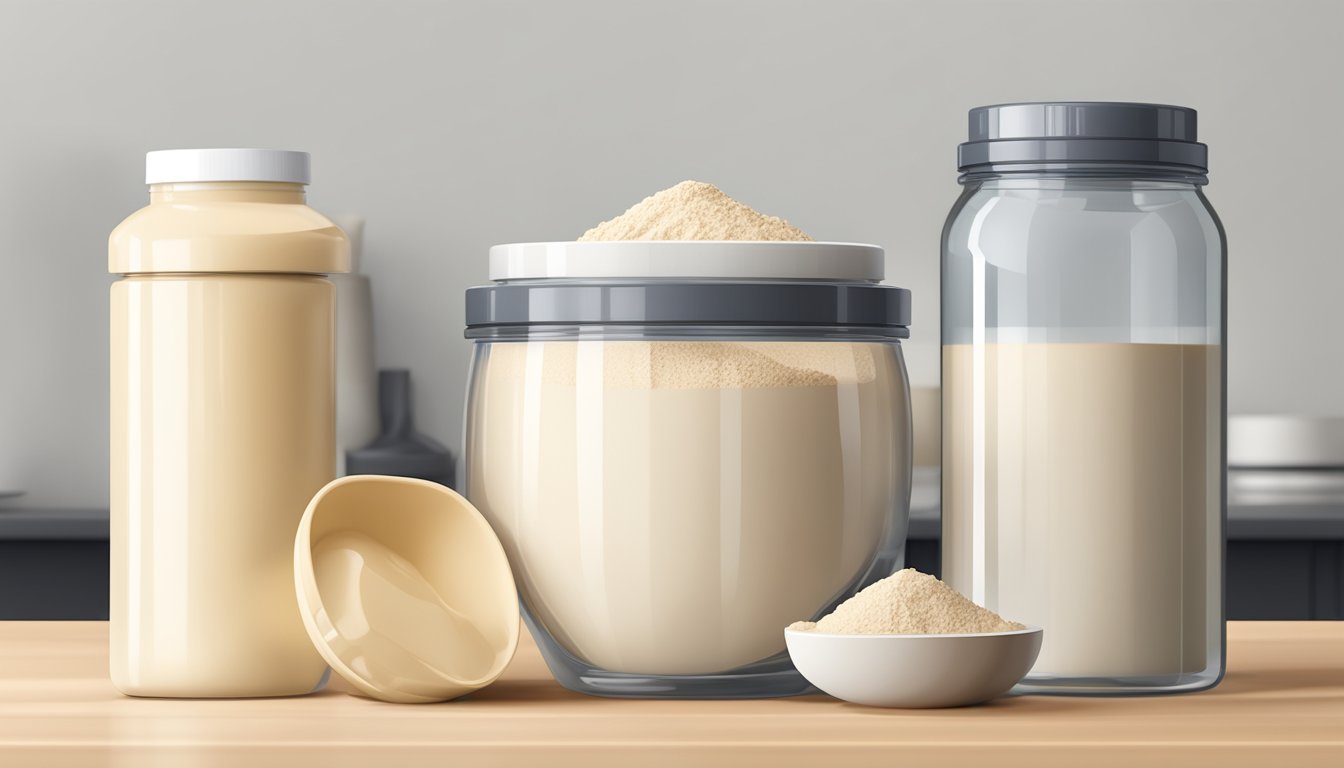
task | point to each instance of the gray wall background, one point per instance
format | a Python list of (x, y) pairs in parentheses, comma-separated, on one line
[(455, 125)]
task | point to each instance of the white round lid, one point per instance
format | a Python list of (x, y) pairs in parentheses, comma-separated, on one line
[(169, 166), (707, 259)]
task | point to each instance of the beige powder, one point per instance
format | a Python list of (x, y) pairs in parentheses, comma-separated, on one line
[(1115, 571), (908, 603), (693, 210), (641, 488), (705, 364)]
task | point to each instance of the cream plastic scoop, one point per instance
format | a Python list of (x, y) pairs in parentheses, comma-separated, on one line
[(404, 588)]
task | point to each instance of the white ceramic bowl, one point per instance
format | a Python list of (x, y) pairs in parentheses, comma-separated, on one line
[(914, 671)]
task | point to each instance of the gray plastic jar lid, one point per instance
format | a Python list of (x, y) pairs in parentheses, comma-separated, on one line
[(1038, 135), (826, 287)]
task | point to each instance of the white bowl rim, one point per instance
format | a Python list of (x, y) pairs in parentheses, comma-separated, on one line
[(1028, 630)]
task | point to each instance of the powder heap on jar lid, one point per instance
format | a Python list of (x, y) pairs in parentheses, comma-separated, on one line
[(908, 603), (693, 210)]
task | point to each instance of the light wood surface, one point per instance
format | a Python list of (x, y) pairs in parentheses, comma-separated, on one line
[(1282, 704)]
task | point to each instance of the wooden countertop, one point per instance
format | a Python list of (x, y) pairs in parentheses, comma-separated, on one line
[(1282, 703)]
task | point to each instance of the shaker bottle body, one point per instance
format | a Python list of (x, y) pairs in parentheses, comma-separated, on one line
[(221, 414), (222, 429), (1084, 412)]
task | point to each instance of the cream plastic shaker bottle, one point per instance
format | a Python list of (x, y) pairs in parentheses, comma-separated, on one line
[(222, 422)]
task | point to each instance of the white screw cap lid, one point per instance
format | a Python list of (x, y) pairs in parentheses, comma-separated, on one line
[(168, 166)]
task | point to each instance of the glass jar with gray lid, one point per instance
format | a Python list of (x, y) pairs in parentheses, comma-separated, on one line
[(1083, 325), (686, 446)]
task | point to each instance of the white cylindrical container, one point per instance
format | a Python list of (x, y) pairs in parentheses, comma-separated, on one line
[(222, 422)]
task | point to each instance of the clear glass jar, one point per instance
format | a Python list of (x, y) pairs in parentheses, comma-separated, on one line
[(1083, 320), (675, 477)]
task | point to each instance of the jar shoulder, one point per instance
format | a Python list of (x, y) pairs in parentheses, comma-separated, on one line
[(1108, 212), (227, 237)]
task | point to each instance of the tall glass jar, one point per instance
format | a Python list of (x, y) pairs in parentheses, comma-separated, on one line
[(1083, 322)]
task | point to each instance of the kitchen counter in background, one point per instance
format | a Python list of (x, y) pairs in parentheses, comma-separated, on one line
[(1282, 703), (53, 563), (1285, 557)]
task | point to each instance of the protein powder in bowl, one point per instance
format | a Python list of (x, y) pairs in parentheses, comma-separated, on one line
[(685, 446)]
